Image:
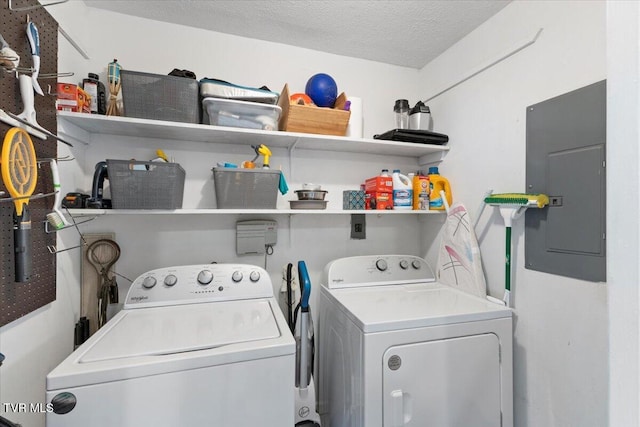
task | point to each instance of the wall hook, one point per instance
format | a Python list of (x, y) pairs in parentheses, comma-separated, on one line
[(18, 70), (18, 9), (57, 159), (55, 75), (32, 197), (52, 248), (38, 128), (49, 230)]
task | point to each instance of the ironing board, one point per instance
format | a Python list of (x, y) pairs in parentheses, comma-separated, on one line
[(459, 261)]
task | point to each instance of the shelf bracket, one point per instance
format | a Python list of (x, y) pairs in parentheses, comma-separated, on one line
[(291, 149), (290, 231), (432, 158)]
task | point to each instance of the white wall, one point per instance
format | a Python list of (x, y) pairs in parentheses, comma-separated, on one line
[(623, 115), (561, 324)]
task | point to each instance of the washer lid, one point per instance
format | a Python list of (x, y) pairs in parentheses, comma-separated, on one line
[(161, 340), (394, 307), (186, 328)]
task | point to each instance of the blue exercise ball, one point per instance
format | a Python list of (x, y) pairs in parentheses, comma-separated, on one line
[(322, 89)]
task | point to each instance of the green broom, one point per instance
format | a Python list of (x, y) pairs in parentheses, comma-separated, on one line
[(512, 206)]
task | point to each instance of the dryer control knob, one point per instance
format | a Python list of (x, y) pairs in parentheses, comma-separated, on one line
[(170, 280), (236, 276), (381, 265), (205, 277), (416, 264), (149, 282), (404, 264), (254, 276)]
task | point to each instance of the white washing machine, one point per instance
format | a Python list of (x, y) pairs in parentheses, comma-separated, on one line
[(199, 345), (396, 348)]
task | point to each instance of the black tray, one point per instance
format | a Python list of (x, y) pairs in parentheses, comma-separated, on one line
[(414, 135)]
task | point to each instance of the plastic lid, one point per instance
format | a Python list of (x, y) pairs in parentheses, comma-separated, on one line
[(433, 170), (396, 171), (94, 76), (402, 105), (420, 108)]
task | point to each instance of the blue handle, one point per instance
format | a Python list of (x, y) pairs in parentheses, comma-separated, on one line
[(34, 38), (305, 285)]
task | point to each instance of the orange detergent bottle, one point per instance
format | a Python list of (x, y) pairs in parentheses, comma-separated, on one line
[(421, 191), (438, 183)]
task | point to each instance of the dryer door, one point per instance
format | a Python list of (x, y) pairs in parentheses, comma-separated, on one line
[(452, 382)]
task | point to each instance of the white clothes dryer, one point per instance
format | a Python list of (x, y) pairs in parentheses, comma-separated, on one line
[(199, 345), (396, 348)]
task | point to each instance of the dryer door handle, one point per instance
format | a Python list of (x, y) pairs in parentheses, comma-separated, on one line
[(400, 408)]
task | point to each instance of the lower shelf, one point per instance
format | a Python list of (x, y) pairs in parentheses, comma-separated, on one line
[(98, 212)]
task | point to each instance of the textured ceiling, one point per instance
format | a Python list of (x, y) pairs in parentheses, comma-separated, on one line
[(408, 33)]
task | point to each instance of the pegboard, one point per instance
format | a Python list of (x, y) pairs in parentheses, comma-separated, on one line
[(19, 299)]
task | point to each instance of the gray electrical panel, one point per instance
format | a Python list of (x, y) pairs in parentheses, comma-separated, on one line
[(566, 139)]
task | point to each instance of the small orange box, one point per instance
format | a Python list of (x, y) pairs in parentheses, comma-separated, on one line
[(378, 200), (382, 184), (73, 98)]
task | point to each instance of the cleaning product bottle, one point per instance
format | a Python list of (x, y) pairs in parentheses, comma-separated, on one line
[(438, 183), (402, 190), (421, 191)]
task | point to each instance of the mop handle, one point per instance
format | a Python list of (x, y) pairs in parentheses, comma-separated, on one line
[(507, 264), (304, 350)]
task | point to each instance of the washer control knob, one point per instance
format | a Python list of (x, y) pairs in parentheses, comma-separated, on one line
[(236, 276), (254, 276), (404, 264), (149, 282), (381, 265), (416, 264), (205, 277), (170, 280)]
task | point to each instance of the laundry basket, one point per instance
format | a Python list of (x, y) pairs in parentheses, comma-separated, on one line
[(159, 97), (246, 188), (145, 185)]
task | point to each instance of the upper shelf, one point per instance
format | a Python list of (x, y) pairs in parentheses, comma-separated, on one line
[(127, 126), (99, 212)]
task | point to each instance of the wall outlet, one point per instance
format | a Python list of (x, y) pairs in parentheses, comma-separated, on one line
[(358, 226)]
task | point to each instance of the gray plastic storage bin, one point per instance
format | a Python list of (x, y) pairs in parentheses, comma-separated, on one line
[(145, 185), (158, 97), (246, 188), (242, 114)]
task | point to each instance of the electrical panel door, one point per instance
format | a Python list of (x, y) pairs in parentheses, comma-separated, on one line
[(566, 144)]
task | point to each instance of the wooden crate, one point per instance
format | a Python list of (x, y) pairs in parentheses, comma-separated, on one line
[(311, 119)]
